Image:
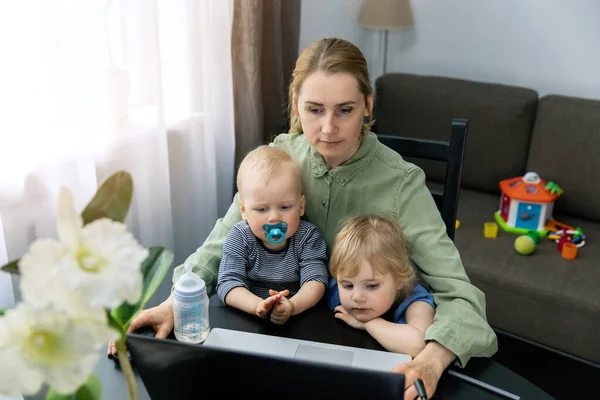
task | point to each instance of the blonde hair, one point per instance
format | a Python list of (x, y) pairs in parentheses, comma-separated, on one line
[(266, 163), (378, 240), (330, 55)]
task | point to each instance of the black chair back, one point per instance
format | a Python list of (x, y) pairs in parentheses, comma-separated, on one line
[(451, 152)]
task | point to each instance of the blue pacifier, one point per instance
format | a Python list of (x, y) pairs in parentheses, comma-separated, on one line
[(275, 233)]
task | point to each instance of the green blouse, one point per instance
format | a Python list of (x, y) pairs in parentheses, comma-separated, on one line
[(377, 180)]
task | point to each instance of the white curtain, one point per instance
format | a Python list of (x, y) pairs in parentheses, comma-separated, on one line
[(90, 87)]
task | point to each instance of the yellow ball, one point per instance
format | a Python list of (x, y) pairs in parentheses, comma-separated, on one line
[(524, 245)]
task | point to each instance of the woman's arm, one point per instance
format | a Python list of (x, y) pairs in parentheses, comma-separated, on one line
[(205, 261), (460, 323), (406, 338)]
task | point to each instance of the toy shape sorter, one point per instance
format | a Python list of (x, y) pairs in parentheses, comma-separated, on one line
[(526, 204)]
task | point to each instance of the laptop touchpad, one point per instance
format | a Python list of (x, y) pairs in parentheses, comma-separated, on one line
[(331, 356)]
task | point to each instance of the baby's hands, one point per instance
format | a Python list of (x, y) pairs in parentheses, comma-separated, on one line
[(341, 313), (264, 307), (283, 309)]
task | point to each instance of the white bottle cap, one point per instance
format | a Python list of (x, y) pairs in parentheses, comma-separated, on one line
[(189, 288)]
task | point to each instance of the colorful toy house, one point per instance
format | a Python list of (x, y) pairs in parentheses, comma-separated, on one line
[(526, 204)]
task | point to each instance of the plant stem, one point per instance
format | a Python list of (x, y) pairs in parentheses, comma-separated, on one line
[(127, 370)]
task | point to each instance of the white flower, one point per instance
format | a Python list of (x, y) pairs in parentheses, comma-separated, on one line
[(43, 345), (42, 284), (97, 265)]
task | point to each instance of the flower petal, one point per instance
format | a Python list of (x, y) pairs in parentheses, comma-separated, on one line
[(43, 258), (106, 270), (41, 283), (64, 357), (68, 378), (39, 271), (96, 322), (69, 222), (12, 381)]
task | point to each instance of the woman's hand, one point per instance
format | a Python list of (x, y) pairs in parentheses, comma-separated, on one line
[(159, 317), (341, 313), (428, 365), (418, 369)]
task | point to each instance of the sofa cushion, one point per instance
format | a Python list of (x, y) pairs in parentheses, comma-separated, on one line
[(541, 297), (500, 122), (565, 148)]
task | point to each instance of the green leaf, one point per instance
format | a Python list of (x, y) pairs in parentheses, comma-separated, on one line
[(115, 324), (154, 268), (1, 313), (112, 199), (123, 313), (90, 390), (12, 267)]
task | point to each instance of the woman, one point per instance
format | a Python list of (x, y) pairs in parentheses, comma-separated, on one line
[(347, 171)]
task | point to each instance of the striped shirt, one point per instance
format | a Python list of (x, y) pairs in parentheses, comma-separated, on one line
[(248, 263)]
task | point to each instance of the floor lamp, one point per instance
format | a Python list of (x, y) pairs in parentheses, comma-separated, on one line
[(386, 15)]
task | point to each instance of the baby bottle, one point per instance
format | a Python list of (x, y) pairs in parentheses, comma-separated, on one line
[(190, 308)]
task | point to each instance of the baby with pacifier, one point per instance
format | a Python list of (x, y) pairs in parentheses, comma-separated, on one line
[(274, 264)]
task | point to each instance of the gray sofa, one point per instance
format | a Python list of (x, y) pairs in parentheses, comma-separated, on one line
[(541, 297)]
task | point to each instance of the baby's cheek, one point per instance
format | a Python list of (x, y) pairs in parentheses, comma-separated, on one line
[(292, 228)]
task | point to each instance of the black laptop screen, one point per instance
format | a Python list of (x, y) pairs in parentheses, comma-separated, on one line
[(174, 370)]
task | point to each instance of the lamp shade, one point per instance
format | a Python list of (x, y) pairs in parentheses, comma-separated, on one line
[(386, 14)]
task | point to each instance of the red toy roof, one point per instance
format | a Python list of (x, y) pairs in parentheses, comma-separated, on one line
[(534, 191)]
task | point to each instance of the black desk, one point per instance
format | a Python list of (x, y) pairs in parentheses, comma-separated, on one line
[(318, 324)]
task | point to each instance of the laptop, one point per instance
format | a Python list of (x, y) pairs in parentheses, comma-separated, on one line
[(173, 370), (297, 349)]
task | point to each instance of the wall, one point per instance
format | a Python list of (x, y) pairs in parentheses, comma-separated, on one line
[(552, 46)]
